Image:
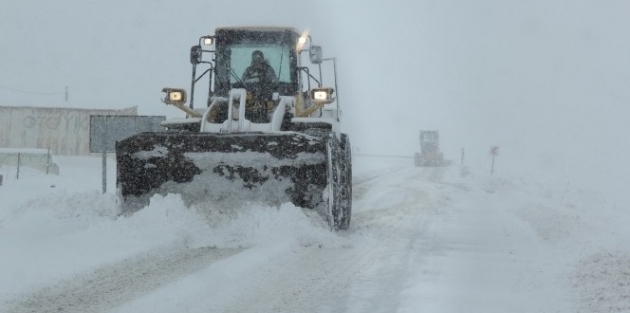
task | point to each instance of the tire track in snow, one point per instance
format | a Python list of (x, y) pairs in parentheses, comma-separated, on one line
[(366, 275), (111, 286), (329, 279)]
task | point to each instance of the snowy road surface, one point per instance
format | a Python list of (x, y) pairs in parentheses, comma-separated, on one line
[(421, 240)]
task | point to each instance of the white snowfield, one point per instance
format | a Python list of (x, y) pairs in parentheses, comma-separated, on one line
[(450, 239)]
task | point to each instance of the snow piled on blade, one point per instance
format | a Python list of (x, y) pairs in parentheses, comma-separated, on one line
[(207, 160), (214, 188)]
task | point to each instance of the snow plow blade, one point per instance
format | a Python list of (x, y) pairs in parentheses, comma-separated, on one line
[(223, 169)]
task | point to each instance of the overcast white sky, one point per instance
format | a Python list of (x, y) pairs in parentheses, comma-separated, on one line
[(546, 80)]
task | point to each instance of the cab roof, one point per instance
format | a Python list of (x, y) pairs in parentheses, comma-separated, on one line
[(257, 28)]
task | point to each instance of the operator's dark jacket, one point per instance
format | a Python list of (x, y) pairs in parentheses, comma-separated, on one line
[(263, 78)]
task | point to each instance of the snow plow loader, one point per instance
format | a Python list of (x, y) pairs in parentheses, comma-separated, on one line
[(430, 154), (268, 130)]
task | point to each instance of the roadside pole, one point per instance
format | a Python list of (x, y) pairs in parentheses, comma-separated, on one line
[(494, 151), (104, 147), (48, 161), (17, 175)]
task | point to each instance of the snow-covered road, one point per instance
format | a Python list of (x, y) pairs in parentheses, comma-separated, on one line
[(421, 240)]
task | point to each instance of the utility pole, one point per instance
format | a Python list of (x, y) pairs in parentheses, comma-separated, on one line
[(66, 94)]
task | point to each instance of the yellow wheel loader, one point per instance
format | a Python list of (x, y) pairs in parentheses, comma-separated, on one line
[(268, 130)]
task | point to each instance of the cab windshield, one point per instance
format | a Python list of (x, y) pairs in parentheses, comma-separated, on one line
[(233, 54), (277, 56)]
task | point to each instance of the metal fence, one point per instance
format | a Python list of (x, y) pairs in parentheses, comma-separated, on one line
[(40, 159)]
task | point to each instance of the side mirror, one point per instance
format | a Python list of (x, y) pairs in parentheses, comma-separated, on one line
[(195, 54), (316, 54)]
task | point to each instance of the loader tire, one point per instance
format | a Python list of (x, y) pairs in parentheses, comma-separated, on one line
[(346, 183), (339, 182), (334, 181)]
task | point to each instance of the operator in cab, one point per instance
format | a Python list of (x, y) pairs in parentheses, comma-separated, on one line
[(261, 74), (262, 81), (259, 70)]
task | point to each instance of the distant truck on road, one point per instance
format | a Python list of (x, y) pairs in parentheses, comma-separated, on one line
[(429, 154)]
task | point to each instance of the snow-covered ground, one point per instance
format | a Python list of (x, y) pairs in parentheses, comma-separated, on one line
[(451, 239)]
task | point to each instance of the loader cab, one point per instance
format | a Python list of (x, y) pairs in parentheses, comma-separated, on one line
[(219, 63), (228, 54), (234, 49), (429, 136), (221, 60)]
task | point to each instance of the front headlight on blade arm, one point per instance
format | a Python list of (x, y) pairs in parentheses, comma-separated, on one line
[(322, 95), (174, 96)]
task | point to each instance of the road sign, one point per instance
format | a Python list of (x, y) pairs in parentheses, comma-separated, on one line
[(105, 130), (494, 150)]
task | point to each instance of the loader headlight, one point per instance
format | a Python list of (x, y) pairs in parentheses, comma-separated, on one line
[(322, 95), (174, 96), (302, 41), (207, 40)]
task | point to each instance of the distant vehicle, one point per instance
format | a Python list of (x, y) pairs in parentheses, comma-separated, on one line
[(429, 154)]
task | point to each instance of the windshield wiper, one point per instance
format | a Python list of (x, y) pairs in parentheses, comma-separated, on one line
[(238, 79), (280, 67)]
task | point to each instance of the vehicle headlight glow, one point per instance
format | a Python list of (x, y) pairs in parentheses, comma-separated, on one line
[(320, 95), (301, 41), (175, 96)]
